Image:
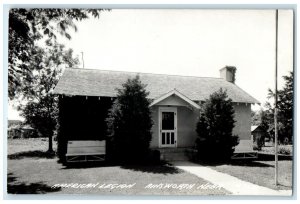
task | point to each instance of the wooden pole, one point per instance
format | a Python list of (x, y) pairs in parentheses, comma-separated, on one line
[(275, 111), (82, 60)]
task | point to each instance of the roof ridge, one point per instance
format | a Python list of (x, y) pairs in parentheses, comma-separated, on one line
[(97, 82), (82, 69)]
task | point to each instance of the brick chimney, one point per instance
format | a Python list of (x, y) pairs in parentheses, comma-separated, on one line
[(228, 73)]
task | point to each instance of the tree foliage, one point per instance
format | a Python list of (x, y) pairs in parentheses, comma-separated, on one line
[(129, 122), (285, 106), (216, 122), (255, 117), (27, 27), (285, 111), (40, 108)]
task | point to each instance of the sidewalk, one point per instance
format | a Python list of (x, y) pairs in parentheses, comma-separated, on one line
[(230, 183)]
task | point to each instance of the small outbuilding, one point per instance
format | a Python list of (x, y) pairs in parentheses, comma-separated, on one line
[(21, 131), (258, 136)]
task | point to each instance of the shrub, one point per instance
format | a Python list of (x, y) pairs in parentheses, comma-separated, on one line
[(255, 147), (129, 122), (258, 142), (286, 150), (215, 139)]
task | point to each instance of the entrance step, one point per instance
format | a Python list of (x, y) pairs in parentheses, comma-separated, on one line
[(171, 154), (174, 157)]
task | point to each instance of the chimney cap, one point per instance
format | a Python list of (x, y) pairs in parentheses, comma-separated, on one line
[(228, 67)]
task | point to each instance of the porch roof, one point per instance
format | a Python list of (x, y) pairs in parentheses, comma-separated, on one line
[(92, 82), (178, 94)]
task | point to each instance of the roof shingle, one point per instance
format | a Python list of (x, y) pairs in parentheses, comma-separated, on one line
[(92, 82)]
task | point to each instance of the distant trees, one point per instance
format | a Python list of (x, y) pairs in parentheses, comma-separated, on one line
[(285, 107), (285, 110), (265, 117), (129, 122), (216, 122)]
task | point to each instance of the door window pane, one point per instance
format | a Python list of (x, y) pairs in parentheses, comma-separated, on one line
[(168, 138), (172, 137), (167, 120)]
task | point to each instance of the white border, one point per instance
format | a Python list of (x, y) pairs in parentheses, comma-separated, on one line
[(214, 4)]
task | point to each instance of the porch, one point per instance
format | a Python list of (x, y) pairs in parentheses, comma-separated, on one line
[(175, 118)]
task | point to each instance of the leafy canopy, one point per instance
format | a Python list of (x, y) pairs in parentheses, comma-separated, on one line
[(285, 111), (40, 108), (29, 26)]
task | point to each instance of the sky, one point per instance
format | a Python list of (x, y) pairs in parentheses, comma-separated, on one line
[(189, 42)]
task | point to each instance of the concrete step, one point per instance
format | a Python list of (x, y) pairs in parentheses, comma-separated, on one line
[(174, 156)]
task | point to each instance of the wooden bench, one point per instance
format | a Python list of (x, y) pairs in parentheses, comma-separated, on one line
[(244, 150), (86, 150)]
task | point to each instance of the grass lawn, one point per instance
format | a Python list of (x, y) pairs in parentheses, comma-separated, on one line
[(15, 146), (30, 170), (259, 172)]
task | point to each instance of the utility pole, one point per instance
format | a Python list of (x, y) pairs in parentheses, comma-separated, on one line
[(275, 111), (82, 60)]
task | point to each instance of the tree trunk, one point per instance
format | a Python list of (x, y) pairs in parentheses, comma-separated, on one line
[(50, 148)]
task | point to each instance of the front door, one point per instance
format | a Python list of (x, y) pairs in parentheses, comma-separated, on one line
[(168, 127)]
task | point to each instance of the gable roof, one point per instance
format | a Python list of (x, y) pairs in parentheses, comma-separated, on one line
[(92, 82), (253, 127), (178, 94), (256, 128)]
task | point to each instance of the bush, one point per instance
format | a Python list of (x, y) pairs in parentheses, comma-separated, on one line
[(153, 157), (258, 142), (129, 123), (286, 150), (215, 139), (256, 147)]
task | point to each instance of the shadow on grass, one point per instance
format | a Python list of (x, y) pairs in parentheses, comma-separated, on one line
[(288, 187), (271, 157), (89, 164), (157, 168), (160, 168), (11, 178), (15, 187), (248, 163), (31, 154)]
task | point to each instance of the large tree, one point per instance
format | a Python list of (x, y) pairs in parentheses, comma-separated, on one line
[(40, 108), (216, 122), (28, 26), (285, 107), (129, 122), (285, 110)]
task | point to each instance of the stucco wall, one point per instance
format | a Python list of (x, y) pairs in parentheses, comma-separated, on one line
[(243, 121), (172, 101), (155, 131), (186, 125)]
